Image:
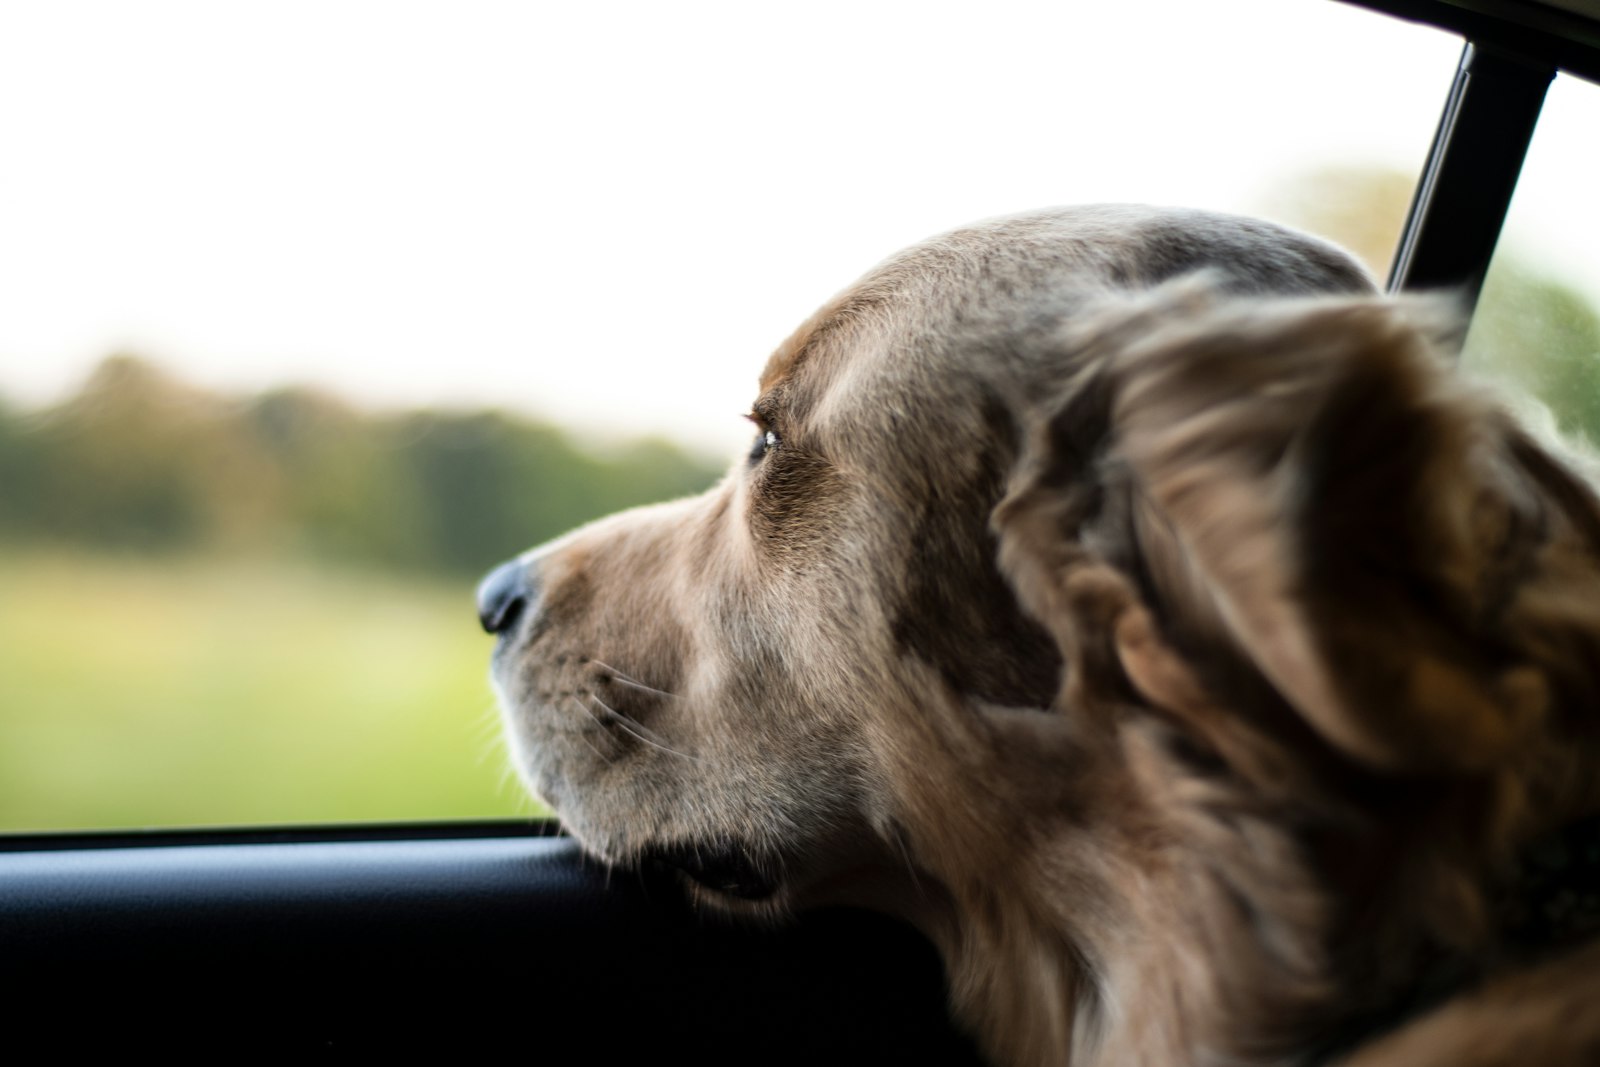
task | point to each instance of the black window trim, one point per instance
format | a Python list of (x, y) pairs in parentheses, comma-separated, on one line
[(1464, 192), (1510, 54)]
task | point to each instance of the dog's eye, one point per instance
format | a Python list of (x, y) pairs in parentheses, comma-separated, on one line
[(766, 441)]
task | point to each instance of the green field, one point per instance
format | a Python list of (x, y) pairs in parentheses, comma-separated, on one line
[(143, 694)]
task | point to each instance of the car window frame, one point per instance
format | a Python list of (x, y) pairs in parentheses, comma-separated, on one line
[(177, 936)]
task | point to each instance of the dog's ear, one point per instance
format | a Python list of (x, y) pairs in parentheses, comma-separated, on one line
[(1309, 488)]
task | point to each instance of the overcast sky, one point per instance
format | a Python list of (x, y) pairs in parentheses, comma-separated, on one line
[(610, 212)]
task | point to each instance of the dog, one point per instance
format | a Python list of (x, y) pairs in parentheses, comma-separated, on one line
[(1140, 605)]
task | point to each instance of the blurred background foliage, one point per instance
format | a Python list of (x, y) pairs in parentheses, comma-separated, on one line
[(222, 609), (1541, 337), (225, 610), (1532, 333), (136, 461)]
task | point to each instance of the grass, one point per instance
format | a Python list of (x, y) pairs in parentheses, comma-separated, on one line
[(143, 694)]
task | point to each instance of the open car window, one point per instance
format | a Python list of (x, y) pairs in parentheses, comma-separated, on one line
[(313, 314), (1537, 328)]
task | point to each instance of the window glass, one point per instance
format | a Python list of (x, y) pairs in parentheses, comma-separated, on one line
[(1537, 328), (313, 312)]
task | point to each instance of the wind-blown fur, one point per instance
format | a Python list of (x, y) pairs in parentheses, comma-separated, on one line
[(1195, 658)]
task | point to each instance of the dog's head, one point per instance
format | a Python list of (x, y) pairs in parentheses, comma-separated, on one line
[(771, 684), (1190, 657)]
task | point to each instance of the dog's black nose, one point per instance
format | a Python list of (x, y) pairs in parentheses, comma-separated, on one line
[(503, 596)]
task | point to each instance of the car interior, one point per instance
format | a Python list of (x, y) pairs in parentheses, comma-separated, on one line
[(502, 936)]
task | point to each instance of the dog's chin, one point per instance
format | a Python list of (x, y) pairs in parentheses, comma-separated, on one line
[(724, 870), (732, 879)]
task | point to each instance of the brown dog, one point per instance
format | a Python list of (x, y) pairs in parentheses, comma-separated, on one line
[(1206, 669)]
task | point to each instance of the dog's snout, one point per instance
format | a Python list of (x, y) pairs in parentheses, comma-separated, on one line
[(504, 595)]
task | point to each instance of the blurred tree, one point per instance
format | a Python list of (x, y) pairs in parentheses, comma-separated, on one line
[(1362, 209), (1531, 332), (344, 497), (519, 484), (122, 463), (657, 466), (138, 460), (20, 473), (1544, 338)]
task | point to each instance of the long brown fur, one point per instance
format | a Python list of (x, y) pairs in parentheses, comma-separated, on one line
[(1195, 658)]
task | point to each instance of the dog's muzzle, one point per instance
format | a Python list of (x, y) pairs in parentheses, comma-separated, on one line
[(504, 596)]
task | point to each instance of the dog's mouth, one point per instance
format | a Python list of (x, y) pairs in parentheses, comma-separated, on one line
[(728, 868)]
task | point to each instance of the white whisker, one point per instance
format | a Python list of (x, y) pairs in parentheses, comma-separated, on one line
[(640, 731), (490, 738), (596, 720), (646, 688), (634, 682)]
